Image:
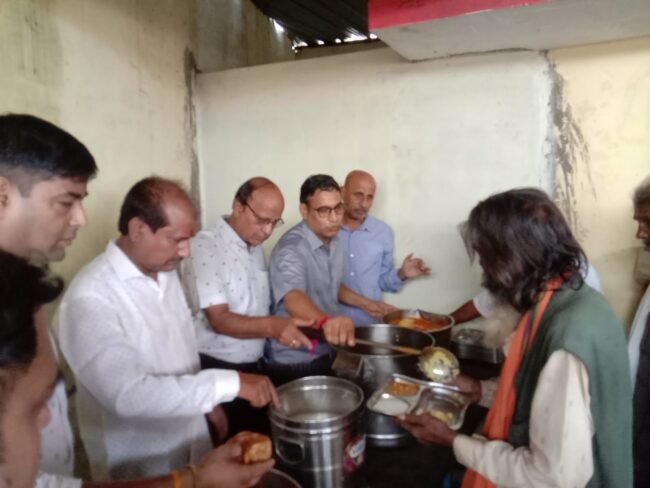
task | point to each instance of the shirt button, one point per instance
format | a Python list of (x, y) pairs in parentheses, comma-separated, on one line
[(351, 255), (351, 273)]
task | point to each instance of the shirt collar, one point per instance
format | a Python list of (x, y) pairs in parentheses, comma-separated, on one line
[(125, 268), (313, 240), (230, 235), (366, 225)]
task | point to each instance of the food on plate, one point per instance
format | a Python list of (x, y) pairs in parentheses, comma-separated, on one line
[(391, 405), (402, 388), (255, 447), (418, 323), (443, 415)]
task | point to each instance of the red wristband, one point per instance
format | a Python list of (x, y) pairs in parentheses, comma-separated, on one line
[(321, 321)]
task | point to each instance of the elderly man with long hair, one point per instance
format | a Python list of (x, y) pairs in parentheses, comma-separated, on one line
[(562, 412)]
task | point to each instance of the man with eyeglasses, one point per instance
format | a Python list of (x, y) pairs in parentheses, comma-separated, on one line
[(307, 281), (231, 300)]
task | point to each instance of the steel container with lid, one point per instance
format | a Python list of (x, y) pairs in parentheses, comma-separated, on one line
[(317, 430)]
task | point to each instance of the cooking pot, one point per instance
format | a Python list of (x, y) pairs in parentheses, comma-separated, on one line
[(317, 430), (441, 324), (370, 367)]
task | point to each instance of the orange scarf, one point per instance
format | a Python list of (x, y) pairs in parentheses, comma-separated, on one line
[(499, 418)]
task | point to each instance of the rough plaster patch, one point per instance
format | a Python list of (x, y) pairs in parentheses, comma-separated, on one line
[(190, 129), (570, 153)]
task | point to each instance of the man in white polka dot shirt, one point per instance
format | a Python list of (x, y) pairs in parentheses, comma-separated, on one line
[(229, 287)]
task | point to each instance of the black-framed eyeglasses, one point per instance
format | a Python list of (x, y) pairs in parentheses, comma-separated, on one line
[(261, 221), (325, 212)]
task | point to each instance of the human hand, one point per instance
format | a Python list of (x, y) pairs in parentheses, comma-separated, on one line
[(377, 308), (222, 468), (339, 331), (427, 429), (412, 268), (469, 386), (287, 332), (219, 420), (257, 389)]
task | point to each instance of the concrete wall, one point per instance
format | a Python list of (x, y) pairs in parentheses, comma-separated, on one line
[(234, 33), (605, 116), (112, 73), (438, 136)]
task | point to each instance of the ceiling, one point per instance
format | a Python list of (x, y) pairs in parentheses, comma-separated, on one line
[(537, 25), (426, 29), (319, 22)]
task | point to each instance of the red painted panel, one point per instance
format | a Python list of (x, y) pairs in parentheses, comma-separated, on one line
[(388, 13)]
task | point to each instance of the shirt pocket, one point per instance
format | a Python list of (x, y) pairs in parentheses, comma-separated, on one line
[(261, 290), (368, 259)]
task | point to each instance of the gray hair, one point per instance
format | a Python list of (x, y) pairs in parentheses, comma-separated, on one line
[(642, 193)]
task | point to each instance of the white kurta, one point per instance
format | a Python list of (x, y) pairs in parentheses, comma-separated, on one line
[(561, 430), (224, 270), (130, 342)]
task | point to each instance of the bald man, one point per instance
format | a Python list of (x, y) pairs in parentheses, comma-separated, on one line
[(368, 248), (229, 288)]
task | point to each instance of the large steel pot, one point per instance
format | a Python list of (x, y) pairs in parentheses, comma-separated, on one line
[(371, 367), (441, 324), (317, 430)]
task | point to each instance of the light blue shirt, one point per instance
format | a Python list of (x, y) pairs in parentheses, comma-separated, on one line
[(300, 261), (368, 264)]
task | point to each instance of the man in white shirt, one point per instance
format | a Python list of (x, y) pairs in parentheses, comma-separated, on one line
[(639, 350), (126, 332), (44, 172), (564, 392), (229, 287)]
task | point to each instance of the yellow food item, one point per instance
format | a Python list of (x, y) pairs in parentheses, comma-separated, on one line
[(255, 447), (442, 415), (401, 388)]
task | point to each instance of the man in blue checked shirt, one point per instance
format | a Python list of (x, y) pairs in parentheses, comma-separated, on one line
[(368, 248)]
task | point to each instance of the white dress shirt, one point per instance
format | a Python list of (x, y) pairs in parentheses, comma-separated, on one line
[(57, 445), (57, 441), (130, 342), (224, 270), (561, 430)]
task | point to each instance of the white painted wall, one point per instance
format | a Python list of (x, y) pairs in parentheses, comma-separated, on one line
[(438, 136), (111, 73), (607, 93)]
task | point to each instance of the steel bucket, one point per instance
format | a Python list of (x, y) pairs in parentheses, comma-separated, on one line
[(317, 431)]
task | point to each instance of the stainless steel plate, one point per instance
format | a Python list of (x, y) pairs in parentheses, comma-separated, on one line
[(443, 402)]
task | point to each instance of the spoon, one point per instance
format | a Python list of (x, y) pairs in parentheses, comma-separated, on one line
[(438, 364)]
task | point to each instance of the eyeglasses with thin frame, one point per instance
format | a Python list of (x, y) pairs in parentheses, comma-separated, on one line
[(325, 212), (261, 221)]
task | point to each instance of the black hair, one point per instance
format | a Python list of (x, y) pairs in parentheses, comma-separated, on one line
[(315, 183), (642, 193), (23, 289), (523, 241), (146, 200), (33, 150)]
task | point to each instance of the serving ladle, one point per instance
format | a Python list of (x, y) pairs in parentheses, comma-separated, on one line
[(438, 364)]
